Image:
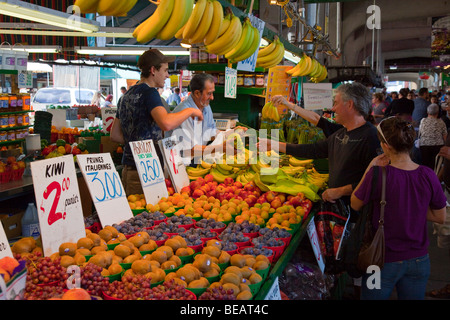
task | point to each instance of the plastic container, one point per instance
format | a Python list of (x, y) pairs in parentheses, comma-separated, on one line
[(19, 120), (4, 102), (259, 80), (202, 55), (11, 120), (249, 80), (3, 136), (30, 222), (240, 79), (12, 103), (4, 121), (26, 102), (19, 106)]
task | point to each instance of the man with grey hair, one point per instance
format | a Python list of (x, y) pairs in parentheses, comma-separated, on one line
[(349, 150), (432, 135)]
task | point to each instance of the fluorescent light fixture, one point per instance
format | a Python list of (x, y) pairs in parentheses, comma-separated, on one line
[(130, 51), (289, 56), (37, 49), (32, 12)]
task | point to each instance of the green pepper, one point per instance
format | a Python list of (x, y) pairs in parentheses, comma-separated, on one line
[(82, 146), (60, 143), (44, 143)]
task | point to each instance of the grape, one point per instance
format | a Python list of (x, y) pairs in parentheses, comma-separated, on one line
[(217, 293), (92, 279)]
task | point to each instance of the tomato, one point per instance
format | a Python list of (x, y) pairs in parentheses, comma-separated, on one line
[(68, 148)]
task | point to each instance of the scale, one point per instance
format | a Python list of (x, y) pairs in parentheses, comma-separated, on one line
[(225, 121)]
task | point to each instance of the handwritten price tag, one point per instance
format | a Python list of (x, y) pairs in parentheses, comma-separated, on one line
[(58, 202), (5, 249), (108, 116), (174, 162), (105, 187), (150, 171), (317, 96), (230, 82), (312, 234), (249, 64)]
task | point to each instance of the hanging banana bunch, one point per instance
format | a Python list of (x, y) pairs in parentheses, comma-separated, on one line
[(270, 55), (114, 8)]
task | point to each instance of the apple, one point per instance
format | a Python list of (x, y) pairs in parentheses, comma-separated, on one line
[(244, 194), (249, 186), (168, 183), (295, 201), (201, 181), (282, 197), (238, 184), (170, 190), (228, 181), (197, 193), (261, 199), (251, 200), (275, 203), (186, 189), (208, 178), (194, 185), (229, 195), (270, 195)]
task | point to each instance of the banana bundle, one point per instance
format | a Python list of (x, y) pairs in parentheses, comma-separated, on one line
[(247, 45), (271, 120), (228, 37), (309, 67), (271, 55), (115, 8), (269, 111), (201, 170)]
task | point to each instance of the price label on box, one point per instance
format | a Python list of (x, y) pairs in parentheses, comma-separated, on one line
[(274, 291), (174, 162), (150, 171), (105, 187), (314, 240), (58, 202), (108, 116), (230, 82), (5, 249)]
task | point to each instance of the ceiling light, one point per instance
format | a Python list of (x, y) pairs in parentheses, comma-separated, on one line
[(37, 49), (131, 51), (32, 12)]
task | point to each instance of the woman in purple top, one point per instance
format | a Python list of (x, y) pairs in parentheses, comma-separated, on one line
[(413, 196)]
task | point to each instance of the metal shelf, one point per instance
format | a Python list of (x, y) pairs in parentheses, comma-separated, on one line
[(15, 128)]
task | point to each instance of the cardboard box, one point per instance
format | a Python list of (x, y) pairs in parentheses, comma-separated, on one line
[(106, 145), (12, 224)]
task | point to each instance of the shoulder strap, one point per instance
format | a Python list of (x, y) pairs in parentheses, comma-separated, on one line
[(383, 196), (374, 178)]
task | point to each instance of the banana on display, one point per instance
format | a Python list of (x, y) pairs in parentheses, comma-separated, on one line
[(148, 29), (309, 67), (114, 8), (293, 161), (216, 24), (228, 39), (199, 171), (271, 56), (204, 24), (181, 12), (194, 19), (247, 45)]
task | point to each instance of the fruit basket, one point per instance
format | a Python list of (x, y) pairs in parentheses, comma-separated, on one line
[(5, 176), (197, 291), (137, 211), (257, 251), (264, 272), (115, 277)]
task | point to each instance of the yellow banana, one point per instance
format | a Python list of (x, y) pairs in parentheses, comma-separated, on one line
[(129, 5), (194, 19), (222, 171), (300, 163), (156, 21), (217, 176), (316, 69), (301, 66), (180, 14), (243, 179), (114, 7), (268, 49), (225, 24), (197, 172), (260, 184), (179, 34), (87, 6), (206, 165), (322, 76), (244, 42), (225, 167), (272, 58), (229, 39), (294, 69), (204, 25), (254, 44), (216, 24), (309, 67)]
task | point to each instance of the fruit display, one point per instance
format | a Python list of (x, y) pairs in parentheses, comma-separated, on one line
[(60, 148), (309, 67), (114, 8), (11, 169)]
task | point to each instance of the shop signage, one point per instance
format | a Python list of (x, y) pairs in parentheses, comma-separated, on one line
[(318, 96), (5, 249), (58, 202), (230, 82), (274, 291), (249, 64), (25, 79), (174, 162), (108, 116), (150, 171), (314, 240), (105, 187)]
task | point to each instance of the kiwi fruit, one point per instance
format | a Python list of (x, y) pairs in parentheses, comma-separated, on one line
[(113, 231), (182, 252), (237, 260), (137, 240), (113, 241), (175, 259), (128, 243), (211, 273), (160, 272), (67, 249), (159, 255), (247, 271), (94, 237), (224, 257), (79, 258), (141, 266), (262, 257), (198, 284), (105, 234), (244, 287), (168, 250), (121, 237), (244, 295), (250, 261), (67, 260), (173, 243), (145, 235), (179, 281), (181, 240), (130, 259), (122, 251), (115, 268), (84, 252), (214, 242), (260, 265), (255, 278), (128, 272), (230, 277), (85, 243), (169, 265), (202, 262), (213, 251), (235, 270), (116, 259), (187, 273), (231, 286), (146, 247)]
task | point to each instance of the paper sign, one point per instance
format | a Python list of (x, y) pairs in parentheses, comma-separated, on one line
[(150, 171), (230, 82), (105, 187), (58, 202), (274, 291), (25, 79), (5, 249), (314, 240), (249, 64), (317, 96), (278, 83), (108, 116), (174, 163)]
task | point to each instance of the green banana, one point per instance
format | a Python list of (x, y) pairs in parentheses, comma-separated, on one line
[(260, 184)]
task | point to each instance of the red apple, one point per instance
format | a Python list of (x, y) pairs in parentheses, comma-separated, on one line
[(220, 188), (186, 189), (194, 185), (249, 186), (229, 195), (197, 193), (238, 184), (208, 178), (270, 195), (170, 190), (201, 181), (168, 183), (251, 200), (295, 201), (261, 199), (228, 181), (212, 193), (282, 197)]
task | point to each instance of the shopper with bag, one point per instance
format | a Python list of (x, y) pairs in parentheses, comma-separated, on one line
[(413, 195)]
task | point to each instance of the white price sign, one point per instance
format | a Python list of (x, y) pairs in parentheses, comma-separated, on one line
[(274, 291), (150, 171), (317, 96), (314, 240), (174, 162), (105, 187), (230, 82), (108, 116), (58, 202), (5, 249), (249, 64)]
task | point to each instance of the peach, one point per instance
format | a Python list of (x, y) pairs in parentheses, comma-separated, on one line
[(8, 264), (76, 294)]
